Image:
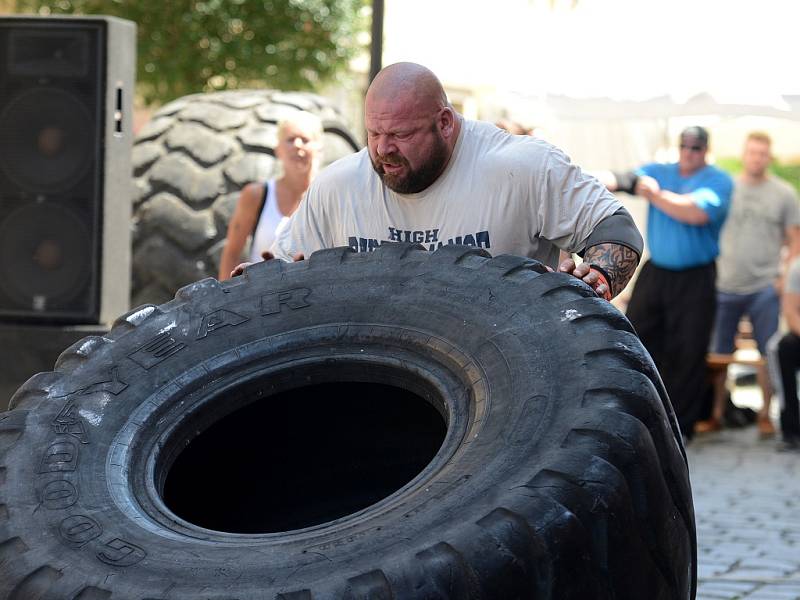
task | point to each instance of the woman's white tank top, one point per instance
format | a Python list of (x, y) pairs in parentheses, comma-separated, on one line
[(270, 222)]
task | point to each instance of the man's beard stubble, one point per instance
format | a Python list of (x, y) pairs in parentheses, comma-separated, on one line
[(414, 180)]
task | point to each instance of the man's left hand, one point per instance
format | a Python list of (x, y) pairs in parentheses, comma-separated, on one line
[(589, 276)]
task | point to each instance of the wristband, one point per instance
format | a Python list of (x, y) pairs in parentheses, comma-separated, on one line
[(604, 278), (626, 182)]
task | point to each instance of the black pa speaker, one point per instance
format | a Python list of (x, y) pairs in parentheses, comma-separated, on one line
[(66, 91)]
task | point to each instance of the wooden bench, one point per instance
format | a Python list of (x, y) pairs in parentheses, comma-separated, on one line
[(717, 365), (746, 353)]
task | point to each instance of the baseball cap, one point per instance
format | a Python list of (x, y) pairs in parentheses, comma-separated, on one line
[(696, 132)]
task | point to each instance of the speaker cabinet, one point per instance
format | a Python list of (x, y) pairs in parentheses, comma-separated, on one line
[(66, 95)]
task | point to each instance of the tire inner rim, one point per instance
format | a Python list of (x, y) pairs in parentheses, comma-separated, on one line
[(270, 454)]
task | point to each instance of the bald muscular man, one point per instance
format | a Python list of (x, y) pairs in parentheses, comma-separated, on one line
[(432, 177)]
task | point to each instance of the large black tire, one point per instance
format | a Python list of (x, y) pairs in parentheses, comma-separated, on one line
[(400, 425), (190, 162)]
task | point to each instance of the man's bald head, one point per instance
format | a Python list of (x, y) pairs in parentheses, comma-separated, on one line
[(408, 82)]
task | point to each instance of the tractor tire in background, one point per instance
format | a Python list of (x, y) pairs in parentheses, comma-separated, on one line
[(190, 161)]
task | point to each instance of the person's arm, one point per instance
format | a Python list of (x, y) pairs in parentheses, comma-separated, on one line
[(618, 181), (681, 207), (791, 236), (241, 225), (615, 261), (612, 254), (792, 242), (791, 311), (790, 298), (606, 268), (573, 213)]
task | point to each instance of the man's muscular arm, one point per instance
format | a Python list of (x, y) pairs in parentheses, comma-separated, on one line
[(614, 249), (617, 261), (606, 268)]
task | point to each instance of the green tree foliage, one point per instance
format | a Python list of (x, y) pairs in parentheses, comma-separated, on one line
[(187, 46)]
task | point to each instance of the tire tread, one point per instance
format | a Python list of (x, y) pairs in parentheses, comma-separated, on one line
[(36, 585)]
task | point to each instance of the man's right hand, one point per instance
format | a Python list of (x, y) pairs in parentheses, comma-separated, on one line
[(647, 187)]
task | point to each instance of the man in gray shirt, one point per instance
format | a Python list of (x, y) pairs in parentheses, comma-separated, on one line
[(764, 217), (432, 177)]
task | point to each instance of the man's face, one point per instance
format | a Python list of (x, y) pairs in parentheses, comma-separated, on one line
[(756, 158), (692, 154), (406, 145)]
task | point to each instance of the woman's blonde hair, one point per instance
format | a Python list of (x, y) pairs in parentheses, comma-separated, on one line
[(306, 120)]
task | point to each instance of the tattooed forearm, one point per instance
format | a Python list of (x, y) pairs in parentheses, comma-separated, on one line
[(616, 260)]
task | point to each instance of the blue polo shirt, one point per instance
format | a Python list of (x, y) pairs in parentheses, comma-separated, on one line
[(675, 245)]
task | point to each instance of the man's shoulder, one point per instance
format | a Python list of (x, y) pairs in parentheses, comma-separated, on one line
[(715, 176), (715, 172), (658, 169), (782, 187), (496, 153), (496, 142)]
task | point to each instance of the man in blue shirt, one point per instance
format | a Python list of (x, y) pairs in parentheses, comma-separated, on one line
[(673, 302)]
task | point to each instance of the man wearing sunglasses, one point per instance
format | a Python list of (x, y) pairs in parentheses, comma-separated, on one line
[(673, 301)]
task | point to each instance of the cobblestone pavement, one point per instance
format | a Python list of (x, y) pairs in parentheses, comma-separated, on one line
[(747, 506)]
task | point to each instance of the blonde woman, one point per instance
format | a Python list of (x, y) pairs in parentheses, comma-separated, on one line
[(264, 209)]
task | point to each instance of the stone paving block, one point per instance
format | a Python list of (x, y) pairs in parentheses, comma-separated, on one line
[(776, 592), (707, 570), (758, 536), (778, 522), (720, 555), (788, 552), (720, 566), (727, 548), (733, 587), (736, 532), (754, 574), (789, 559), (786, 565)]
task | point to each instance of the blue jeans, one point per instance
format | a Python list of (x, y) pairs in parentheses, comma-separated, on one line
[(762, 307)]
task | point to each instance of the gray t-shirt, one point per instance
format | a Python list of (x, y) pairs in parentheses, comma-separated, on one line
[(751, 239), (505, 193)]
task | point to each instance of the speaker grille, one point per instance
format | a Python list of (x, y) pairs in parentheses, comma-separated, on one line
[(43, 51), (45, 252), (47, 143)]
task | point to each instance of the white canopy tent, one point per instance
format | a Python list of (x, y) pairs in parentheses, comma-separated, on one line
[(609, 133), (613, 81)]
